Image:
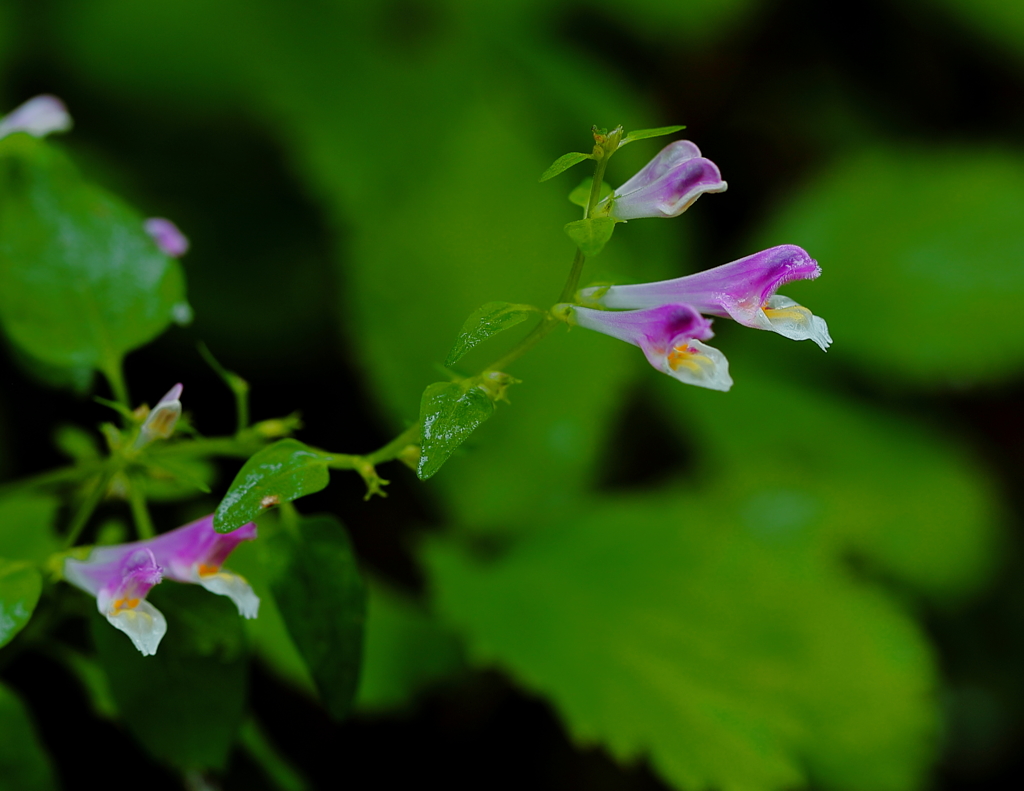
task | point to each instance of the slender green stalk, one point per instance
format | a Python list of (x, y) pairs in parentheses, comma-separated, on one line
[(236, 383), (86, 509), (115, 377), (62, 475), (408, 437), (140, 513)]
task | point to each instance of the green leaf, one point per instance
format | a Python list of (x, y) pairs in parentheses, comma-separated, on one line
[(322, 599), (168, 479), (448, 414), (581, 195), (643, 134), (484, 322), (407, 649), (26, 526), (591, 234), (909, 504), (20, 586), (81, 283), (185, 703), (945, 241), (563, 163), (1002, 22), (24, 764), (665, 627), (279, 473)]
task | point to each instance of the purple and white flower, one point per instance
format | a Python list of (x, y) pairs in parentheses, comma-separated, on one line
[(161, 420), (669, 335), (120, 576), (743, 290), (38, 117), (665, 186), (167, 236)]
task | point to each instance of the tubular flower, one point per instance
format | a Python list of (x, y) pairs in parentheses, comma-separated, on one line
[(666, 186), (669, 335), (121, 575), (743, 290), (38, 117), (160, 422)]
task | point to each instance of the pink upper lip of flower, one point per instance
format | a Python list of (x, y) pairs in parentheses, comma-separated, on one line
[(655, 327), (734, 289), (667, 185)]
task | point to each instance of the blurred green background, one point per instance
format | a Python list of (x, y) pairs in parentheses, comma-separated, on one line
[(620, 582)]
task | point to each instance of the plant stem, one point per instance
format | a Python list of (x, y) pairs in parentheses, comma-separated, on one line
[(140, 513), (85, 510), (115, 377)]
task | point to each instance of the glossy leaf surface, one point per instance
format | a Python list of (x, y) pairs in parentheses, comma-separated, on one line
[(279, 473), (486, 321), (20, 586), (448, 415)]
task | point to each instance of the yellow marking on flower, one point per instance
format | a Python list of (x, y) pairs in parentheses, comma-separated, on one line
[(126, 604), (207, 571), (795, 313), (686, 356)]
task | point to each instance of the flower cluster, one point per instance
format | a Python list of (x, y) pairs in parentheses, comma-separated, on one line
[(120, 576), (664, 318)]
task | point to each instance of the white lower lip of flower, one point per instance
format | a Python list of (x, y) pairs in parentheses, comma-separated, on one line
[(144, 624), (695, 363), (235, 587), (790, 320)]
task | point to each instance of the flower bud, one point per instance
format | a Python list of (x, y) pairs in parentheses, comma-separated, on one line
[(666, 186)]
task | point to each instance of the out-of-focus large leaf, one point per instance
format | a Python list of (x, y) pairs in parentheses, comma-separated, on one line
[(667, 627), (920, 252), (321, 596), (20, 586), (185, 703), (1000, 20), (26, 526), (912, 505), (406, 650), (81, 283), (24, 765), (259, 564)]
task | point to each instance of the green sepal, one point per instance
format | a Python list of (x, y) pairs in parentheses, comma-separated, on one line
[(448, 414), (564, 162), (488, 320), (591, 234), (643, 134), (581, 195), (322, 599), (20, 586), (280, 473), (185, 703), (81, 282)]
